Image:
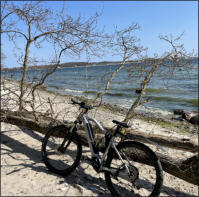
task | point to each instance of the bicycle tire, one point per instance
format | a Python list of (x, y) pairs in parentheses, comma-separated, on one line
[(146, 153), (52, 161)]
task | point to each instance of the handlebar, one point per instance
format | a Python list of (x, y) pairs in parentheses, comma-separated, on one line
[(81, 104)]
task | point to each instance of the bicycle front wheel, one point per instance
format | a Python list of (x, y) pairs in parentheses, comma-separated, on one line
[(58, 157), (145, 175)]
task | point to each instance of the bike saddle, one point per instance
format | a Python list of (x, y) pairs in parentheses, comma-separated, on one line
[(122, 124)]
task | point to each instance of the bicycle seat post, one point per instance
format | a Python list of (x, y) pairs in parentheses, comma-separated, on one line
[(117, 130)]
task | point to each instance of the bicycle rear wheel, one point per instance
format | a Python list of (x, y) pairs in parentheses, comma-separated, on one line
[(146, 175), (61, 161)]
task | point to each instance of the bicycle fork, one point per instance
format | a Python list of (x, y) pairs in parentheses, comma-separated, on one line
[(63, 147)]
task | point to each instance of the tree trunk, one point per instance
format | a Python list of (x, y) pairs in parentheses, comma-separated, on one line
[(183, 169), (44, 123), (24, 75), (148, 77)]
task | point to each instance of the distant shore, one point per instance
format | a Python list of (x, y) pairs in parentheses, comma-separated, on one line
[(79, 64), (66, 65)]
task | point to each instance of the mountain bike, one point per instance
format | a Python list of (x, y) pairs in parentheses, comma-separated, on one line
[(130, 167)]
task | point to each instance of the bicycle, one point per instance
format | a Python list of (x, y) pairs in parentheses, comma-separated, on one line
[(123, 164)]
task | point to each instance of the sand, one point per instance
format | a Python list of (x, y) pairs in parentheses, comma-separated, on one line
[(23, 172)]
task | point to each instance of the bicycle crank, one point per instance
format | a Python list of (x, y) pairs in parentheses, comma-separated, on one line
[(122, 173)]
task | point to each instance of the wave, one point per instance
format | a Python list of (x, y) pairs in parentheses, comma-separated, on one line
[(129, 92), (125, 89), (193, 102), (56, 87), (151, 90), (148, 90), (77, 91), (119, 94)]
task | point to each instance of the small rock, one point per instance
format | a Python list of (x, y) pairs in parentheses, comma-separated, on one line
[(194, 120), (189, 115), (178, 111)]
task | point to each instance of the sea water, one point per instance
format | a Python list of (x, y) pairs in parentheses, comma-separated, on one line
[(165, 92)]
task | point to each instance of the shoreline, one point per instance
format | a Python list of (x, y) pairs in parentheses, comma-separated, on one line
[(78, 64), (166, 119), (161, 99), (158, 116), (74, 65)]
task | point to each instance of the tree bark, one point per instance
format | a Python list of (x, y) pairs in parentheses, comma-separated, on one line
[(184, 169), (137, 102), (28, 42), (44, 123)]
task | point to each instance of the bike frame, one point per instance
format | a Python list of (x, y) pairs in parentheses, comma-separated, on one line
[(88, 128)]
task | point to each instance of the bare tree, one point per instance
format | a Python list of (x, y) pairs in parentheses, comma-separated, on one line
[(67, 35), (125, 44), (164, 66)]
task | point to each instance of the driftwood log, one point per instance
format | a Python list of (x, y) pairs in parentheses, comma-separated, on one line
[(28, 120), (184, 169)]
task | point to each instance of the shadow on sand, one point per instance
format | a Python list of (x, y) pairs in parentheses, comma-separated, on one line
[(79, 177)]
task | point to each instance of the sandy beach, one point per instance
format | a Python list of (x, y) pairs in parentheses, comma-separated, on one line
[(23, 172)]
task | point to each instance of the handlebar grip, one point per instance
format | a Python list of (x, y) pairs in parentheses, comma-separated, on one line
[(81, 104)]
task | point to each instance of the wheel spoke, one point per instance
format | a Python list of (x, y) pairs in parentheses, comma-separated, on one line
[(144, 171), (61, 161)]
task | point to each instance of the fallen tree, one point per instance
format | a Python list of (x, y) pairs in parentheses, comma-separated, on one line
[(27, 119), (184, 169)]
